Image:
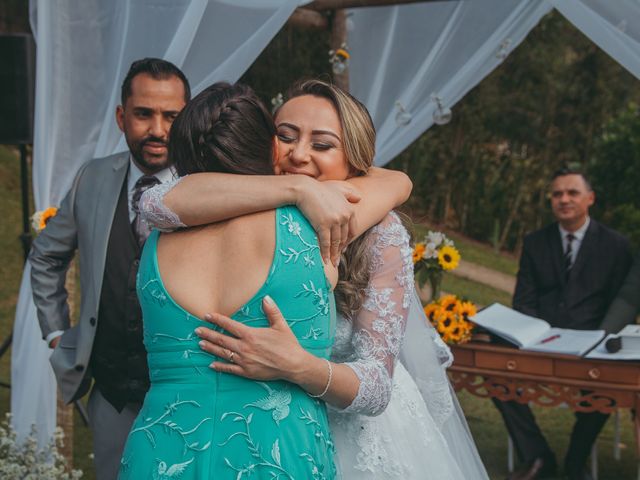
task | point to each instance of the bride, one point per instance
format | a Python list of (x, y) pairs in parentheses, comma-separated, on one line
[(403, 420)]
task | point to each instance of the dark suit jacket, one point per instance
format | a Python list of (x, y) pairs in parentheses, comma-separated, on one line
[(625, 306), (581, 301)]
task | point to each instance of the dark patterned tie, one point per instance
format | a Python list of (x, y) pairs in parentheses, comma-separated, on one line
[(140, 227), (568, 263)]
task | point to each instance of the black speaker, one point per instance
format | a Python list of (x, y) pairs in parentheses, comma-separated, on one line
[(17, 88)]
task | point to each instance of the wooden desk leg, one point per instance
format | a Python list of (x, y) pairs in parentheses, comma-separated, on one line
[(636, 417)]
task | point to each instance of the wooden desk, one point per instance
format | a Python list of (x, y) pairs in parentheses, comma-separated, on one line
[(488, 370)]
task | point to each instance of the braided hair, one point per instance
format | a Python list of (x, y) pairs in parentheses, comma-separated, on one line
[(226, 129)]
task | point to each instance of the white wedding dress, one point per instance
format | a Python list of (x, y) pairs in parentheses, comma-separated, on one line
[(405, 422)]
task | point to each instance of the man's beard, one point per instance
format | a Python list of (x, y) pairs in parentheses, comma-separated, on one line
[(151, 164)]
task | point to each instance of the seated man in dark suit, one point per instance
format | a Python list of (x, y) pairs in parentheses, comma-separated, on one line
[(570, 271)]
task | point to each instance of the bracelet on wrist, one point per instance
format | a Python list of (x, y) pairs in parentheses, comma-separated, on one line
[(326, 388)]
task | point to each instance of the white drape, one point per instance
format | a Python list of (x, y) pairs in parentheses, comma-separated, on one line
[(402, 55), (612, 25), (84, 49)]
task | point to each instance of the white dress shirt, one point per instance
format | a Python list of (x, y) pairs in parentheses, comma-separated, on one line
[(578, 236)]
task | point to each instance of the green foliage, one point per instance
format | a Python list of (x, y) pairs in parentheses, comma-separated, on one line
[(615, 173)]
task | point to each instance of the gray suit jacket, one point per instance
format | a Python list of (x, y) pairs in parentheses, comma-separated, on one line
[(83, 222), (625, 306)]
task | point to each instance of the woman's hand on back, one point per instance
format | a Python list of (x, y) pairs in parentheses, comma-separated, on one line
[(257, 353)]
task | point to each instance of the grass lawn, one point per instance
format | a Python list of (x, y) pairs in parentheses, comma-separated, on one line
[(556, 423), (478, 293), (475, 252)]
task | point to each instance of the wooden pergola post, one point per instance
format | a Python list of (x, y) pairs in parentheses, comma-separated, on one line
[(338, 38)]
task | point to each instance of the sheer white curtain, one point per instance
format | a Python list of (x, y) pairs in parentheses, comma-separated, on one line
[(84, 49), (404, 55), (612, 25)]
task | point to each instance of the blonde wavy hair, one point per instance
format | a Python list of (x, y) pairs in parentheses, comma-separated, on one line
[(358, 143)]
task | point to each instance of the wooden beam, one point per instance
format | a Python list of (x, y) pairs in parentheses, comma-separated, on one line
[(320, 5), (305, 18)]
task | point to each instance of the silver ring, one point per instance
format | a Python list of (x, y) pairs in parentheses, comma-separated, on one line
[(231, 357)]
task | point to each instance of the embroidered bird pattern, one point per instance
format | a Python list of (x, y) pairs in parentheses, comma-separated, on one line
[(174, 471), (276, 400)]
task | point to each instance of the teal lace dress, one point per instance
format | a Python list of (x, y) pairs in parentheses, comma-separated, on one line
[(196, 423)]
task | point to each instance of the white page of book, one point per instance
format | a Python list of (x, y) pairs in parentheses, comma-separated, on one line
[(562, 340), (600, 352), (511, 324)]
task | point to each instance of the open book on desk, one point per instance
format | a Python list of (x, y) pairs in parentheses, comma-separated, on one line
[(530, 333)]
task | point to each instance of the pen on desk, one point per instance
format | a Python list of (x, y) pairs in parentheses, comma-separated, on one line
[(550, 339)]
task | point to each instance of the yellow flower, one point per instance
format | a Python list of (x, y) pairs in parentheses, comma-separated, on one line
[(446, 322), (433, 311), (448, 257), (47, 215), (466, 310), (342, 52), (449, 303), (418, 251), (455, 333)]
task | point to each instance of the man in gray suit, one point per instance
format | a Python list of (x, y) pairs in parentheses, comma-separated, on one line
[(99, 218)]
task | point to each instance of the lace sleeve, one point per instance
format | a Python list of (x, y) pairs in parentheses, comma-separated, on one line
[(153, 210), (379, 326)]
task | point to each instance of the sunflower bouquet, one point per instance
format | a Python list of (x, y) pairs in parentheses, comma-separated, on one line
[(450, 317), (432, 257)]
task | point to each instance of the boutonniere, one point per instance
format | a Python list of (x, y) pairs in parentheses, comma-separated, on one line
[(40, 219)]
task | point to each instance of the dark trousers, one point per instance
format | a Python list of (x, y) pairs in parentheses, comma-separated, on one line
[(531, 444)]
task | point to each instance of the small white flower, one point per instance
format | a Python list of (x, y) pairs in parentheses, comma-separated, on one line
[(430, 251), (435, 237), (308, 261), (294, 227)]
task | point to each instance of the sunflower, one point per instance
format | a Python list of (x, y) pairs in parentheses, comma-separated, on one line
[(418, 252), (433, 312), (448, 257), (455, 334), (446, 322), (466, 310), (449, 303), (47, 215)]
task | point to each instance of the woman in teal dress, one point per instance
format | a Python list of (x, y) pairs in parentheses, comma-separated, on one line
[(197, 423)]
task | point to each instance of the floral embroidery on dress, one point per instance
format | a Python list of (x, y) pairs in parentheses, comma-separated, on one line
[(291, 253), (152, 290), (164, 421), (273, 466)]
